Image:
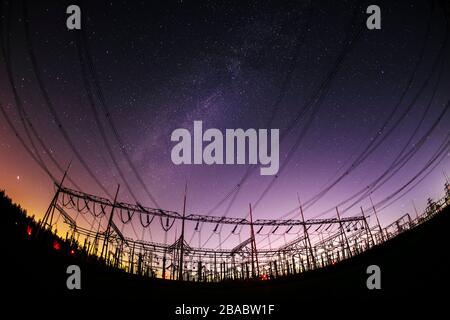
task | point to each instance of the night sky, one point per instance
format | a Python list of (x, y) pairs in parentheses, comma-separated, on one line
[(348, 102)]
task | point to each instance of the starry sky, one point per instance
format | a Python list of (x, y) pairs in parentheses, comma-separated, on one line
[(349, 102)]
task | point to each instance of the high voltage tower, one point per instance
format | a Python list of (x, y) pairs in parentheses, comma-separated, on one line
[(312, 243), (319, 242)]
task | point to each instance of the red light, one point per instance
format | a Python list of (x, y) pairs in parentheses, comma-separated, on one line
[(263, 277), (29, 230), (72, 252), (56, 245)]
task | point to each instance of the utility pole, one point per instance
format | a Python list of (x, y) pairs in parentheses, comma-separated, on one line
[(108, 228), (51, 208), (376, 216), (343, 232), (253, 242), (415, 209), (368, 231), (180, 274), (307, 240)]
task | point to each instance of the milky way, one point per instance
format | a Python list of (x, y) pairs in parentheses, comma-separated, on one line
[(349, 102)]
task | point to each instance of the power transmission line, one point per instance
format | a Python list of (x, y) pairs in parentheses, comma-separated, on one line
[(48, 102)]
